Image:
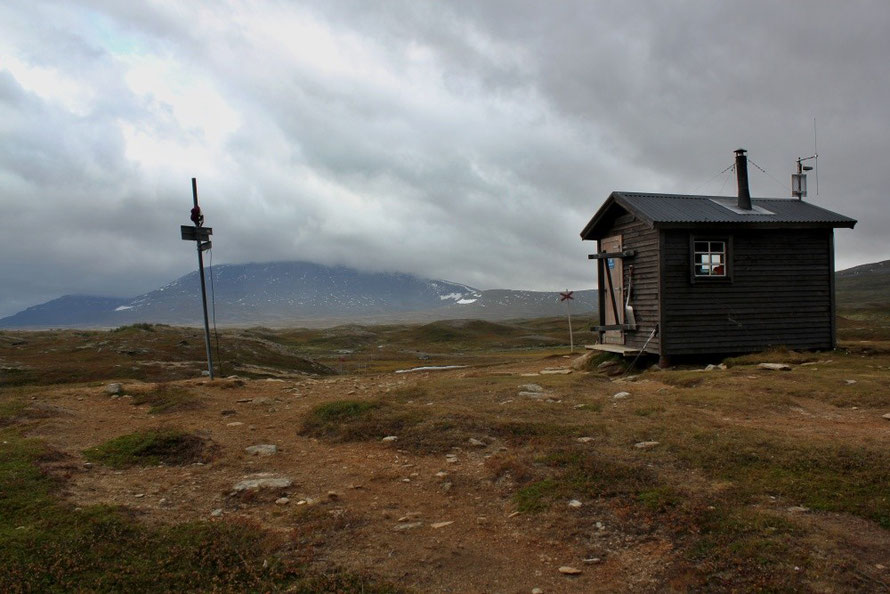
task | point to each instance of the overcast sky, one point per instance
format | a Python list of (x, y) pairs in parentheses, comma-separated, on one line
[(467, 141)]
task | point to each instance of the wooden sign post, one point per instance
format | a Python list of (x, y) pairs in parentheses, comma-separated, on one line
[(201, 235), (567, 297)]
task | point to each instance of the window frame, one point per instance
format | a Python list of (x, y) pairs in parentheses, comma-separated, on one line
[(727, 259)]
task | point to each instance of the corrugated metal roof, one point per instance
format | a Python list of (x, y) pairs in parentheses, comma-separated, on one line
[(681, 209), (678, 208)]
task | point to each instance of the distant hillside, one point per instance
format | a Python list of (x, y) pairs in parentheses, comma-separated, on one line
[(867, 285), (87, 309), (297, 293)]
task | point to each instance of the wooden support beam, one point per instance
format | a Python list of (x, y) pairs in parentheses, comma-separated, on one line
[(612, 327), (604, 255)]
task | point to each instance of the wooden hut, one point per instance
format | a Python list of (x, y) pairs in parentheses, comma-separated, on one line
[(687, 275)]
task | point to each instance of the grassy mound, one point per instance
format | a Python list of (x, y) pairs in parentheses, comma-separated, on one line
[(150, 448), (167, 399)]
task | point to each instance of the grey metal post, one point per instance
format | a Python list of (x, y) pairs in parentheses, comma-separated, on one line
[(203, 288)]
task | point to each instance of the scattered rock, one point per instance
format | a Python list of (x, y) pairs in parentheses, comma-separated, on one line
[(530, 388), (711, 367), (282, 501), (409, 516), (850, 382), (886, 416), (592, 560), (476, 442), (584, 439), (139, 495), (441, 474), (575, 504), (217, 512), (408, 526), (537, 591), (620, 395), (228, 412), (261, 400), (775, 366), (234, 424), (263, 449), (514, 514), (556, 371), (390, 438), (333, 495), (114, 389), (610, 367), (441, 524), (533, 395), (569, 570), (645, 445), (263, 483), (798, 509)]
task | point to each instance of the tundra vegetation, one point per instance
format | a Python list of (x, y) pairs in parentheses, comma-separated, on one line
[(493, 474)]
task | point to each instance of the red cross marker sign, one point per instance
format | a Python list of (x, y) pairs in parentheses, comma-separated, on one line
[(566, 296)]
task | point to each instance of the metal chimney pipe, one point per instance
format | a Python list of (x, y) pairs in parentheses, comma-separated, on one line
[(741, 172)]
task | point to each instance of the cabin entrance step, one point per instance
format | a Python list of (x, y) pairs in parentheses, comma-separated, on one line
[(620, 349)]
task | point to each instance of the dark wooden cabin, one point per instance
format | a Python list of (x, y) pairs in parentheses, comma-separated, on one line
[(683, 276)]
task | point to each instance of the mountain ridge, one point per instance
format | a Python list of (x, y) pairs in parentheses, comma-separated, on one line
[(295, 293)]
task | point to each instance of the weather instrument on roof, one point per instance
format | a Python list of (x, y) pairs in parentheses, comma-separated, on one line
[(201, 236), (799, 179)]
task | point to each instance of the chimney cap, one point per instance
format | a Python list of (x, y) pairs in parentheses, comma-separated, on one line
[(740, 151)]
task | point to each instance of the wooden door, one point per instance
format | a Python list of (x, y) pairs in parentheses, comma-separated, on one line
[(613, 270)]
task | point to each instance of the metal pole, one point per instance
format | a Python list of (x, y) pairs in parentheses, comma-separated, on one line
[(203, 289), (571, 337)]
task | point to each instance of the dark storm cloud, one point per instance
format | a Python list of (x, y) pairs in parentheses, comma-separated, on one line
[(466, 140)]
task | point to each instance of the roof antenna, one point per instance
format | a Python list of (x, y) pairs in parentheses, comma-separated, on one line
[(799, 179), (816, 155)]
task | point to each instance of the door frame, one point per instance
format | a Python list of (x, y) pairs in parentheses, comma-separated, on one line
[(613, 305)]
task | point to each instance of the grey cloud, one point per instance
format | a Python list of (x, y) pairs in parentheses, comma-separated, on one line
[(495, 132)]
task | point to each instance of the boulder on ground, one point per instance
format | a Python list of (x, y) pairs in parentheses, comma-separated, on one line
[(583, 362), (263, 449), (262, 482), (775, 366)]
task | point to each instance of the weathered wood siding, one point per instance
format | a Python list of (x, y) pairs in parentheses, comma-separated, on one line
[(636, 235), (780, 294)]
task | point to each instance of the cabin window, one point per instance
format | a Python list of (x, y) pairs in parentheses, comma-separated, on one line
[(710, 258)]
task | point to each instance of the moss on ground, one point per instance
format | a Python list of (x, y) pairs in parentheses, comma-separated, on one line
[(47, 546)]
